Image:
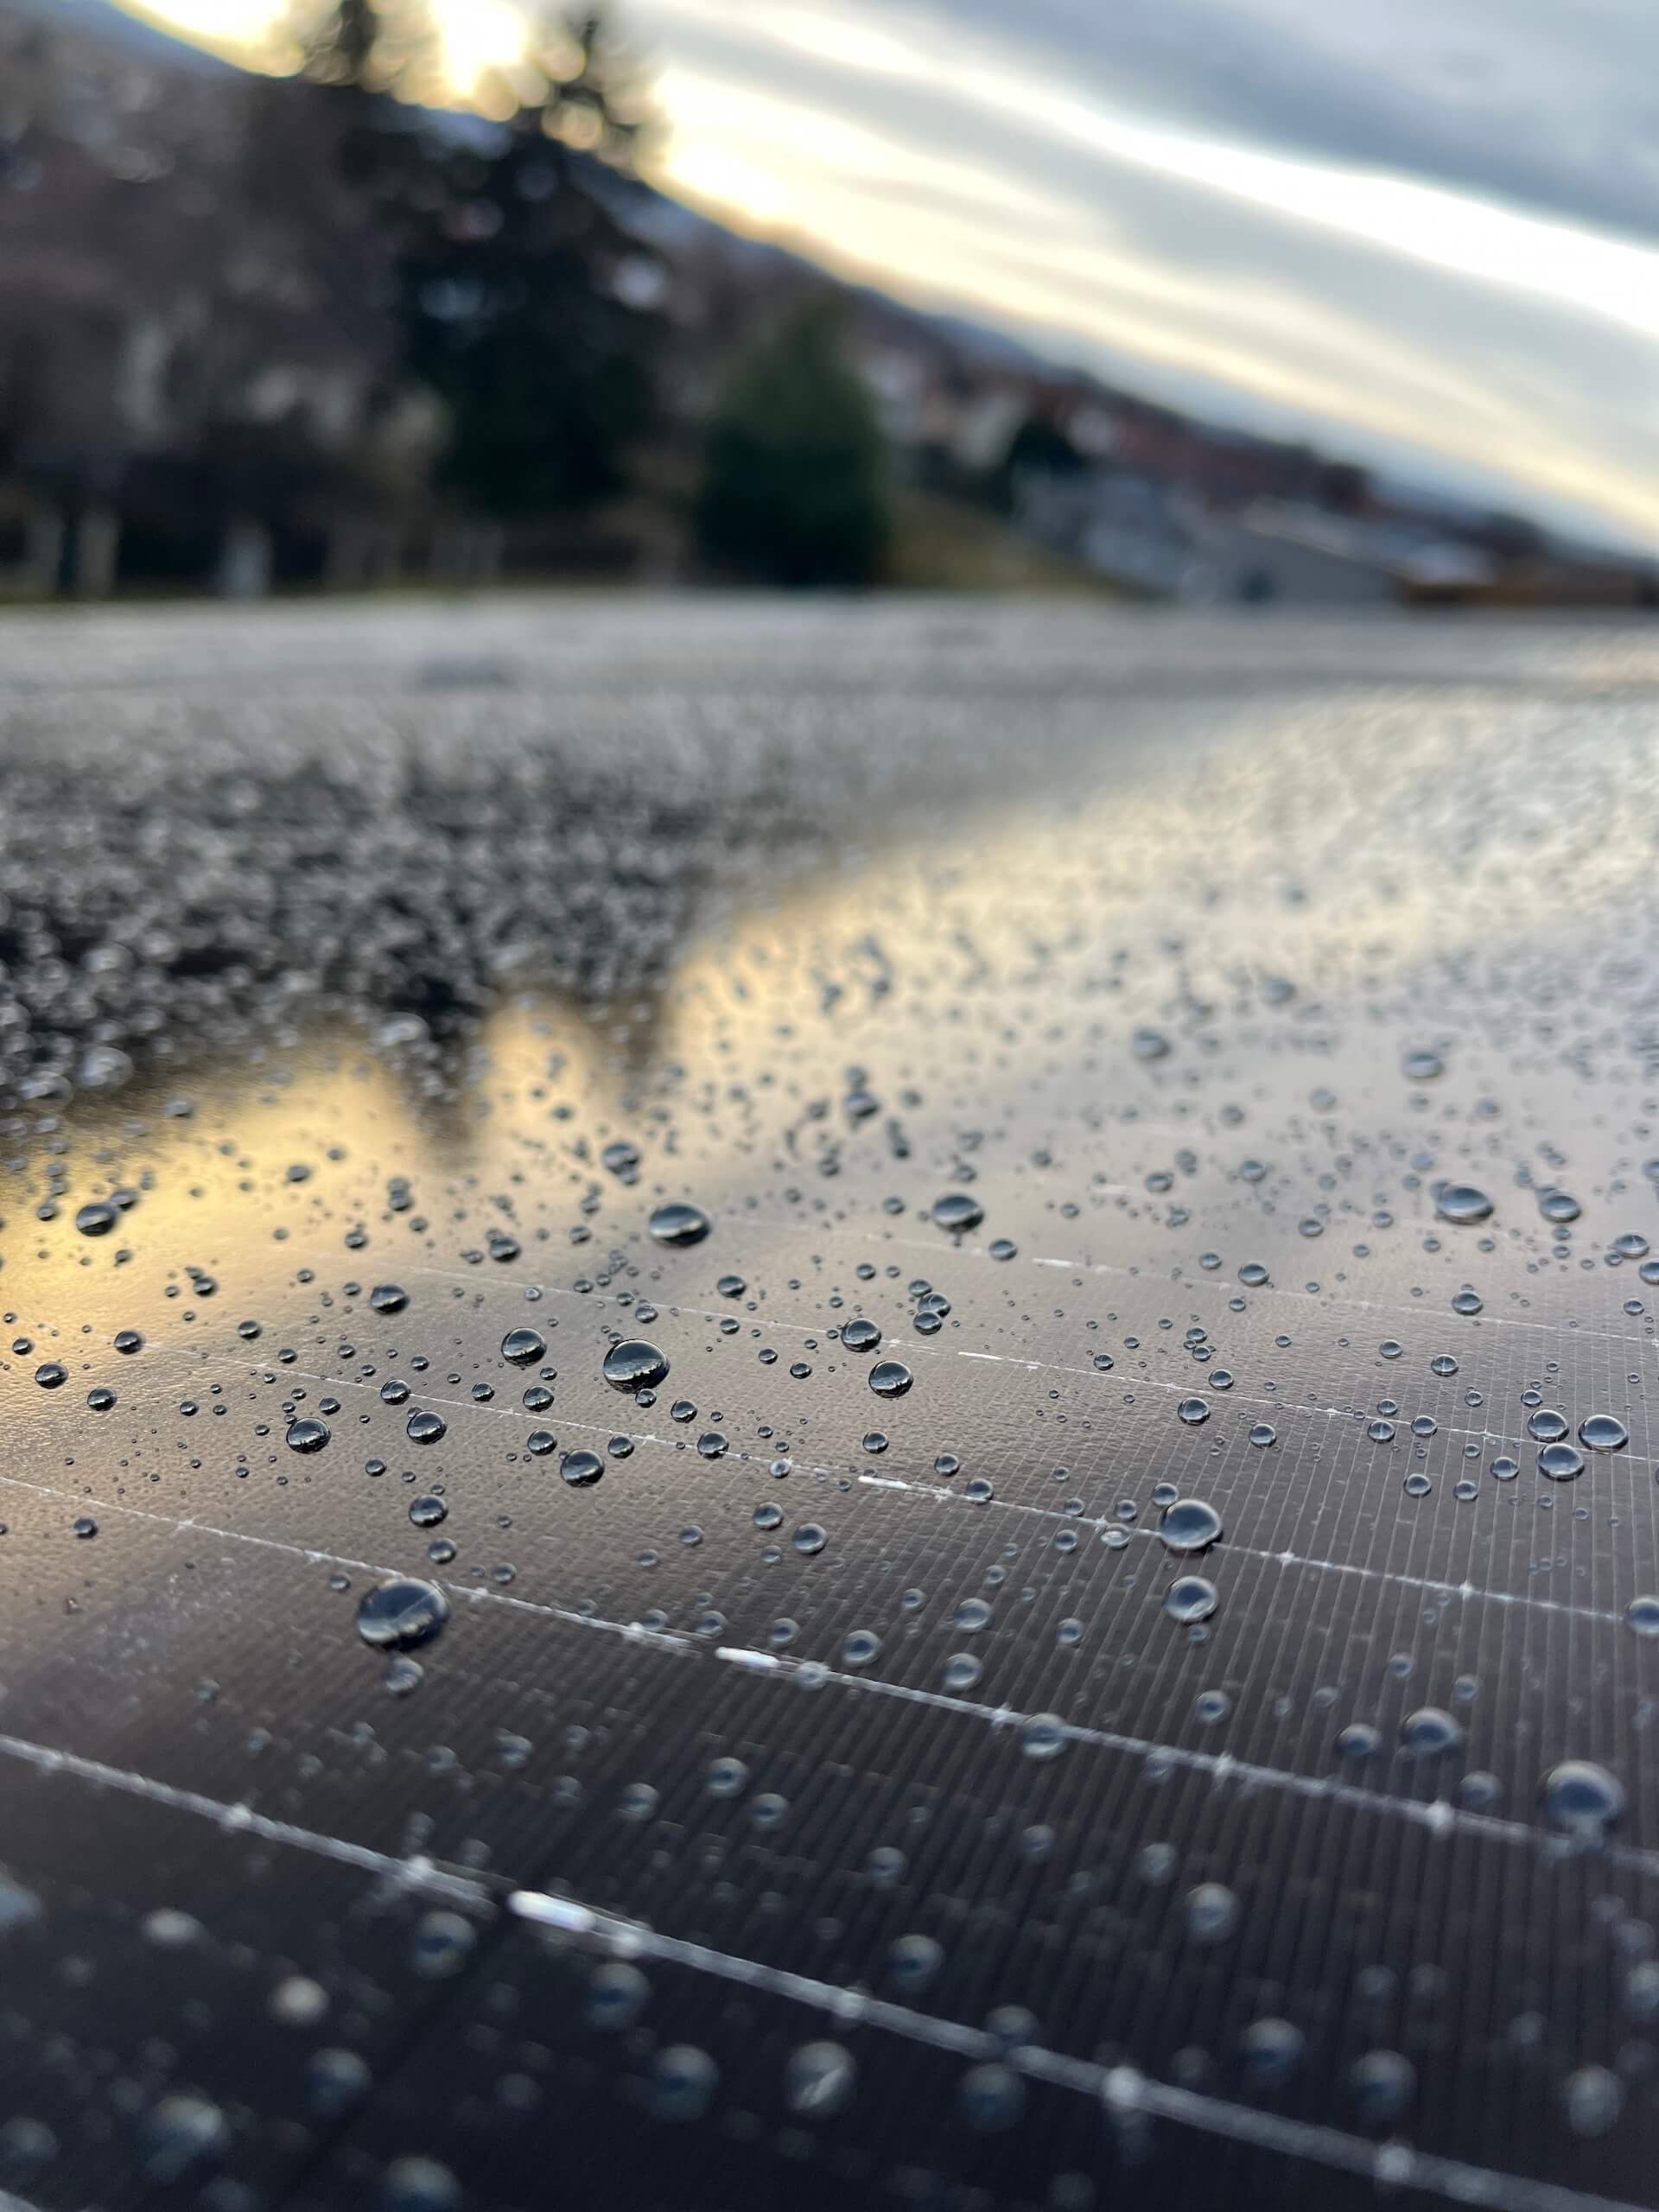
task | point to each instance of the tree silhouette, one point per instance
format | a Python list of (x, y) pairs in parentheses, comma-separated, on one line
[(794, 484), (528, 306), (524, 303)]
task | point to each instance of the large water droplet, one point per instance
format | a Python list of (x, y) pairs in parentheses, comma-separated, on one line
[(1189, 1597), (1581, 1798), (890, 1378), (1428, 1733), (397, 1614), (1562, 1463), (679, 1224), (1462, 1203), (1189, 1525), (958, 1213), (635, 1365), (1603, 1432)]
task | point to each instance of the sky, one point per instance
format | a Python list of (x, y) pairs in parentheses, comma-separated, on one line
[(1424, 234)]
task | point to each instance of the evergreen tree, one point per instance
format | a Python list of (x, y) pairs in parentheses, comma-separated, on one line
[(794, 487), (527, 307), (524, 302)]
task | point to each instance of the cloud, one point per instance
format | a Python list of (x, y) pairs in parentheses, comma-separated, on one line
[(1237, 198), (1552, 105), (1426, 232)]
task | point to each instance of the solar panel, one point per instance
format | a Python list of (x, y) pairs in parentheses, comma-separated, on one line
[(508, 1697)]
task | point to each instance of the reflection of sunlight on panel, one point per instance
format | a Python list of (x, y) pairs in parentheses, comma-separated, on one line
[(225, 1161), (845, 964)]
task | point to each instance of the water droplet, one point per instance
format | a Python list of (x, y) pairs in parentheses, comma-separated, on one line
[(1212, 1912), (819, 2080), (425, 1425), (1042, 1736), (1190, 1597), (388, 1297), (521, 1346), (307, 1435), (1428, 1733), (679, 1224), (1462, 1204), (890, 1378), (1383, 2083), (1562, 1463), (635, 1365), (1194, 1412), (580, 1469), (1594, 2098), (1189, 1525), (1271, 2051), (401, 1612), (1582, 1799), (181, 2133), (1603, 1432), (958, 1213), (418, 2185)]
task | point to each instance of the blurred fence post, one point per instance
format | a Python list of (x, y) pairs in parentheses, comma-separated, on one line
[(361, 555), (342, 567), (468, 553), (97, 548), (44, 533), (486, 553), (384, 560), (244, 569)]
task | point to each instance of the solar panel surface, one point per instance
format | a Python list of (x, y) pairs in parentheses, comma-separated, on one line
[(1160, 1716)]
